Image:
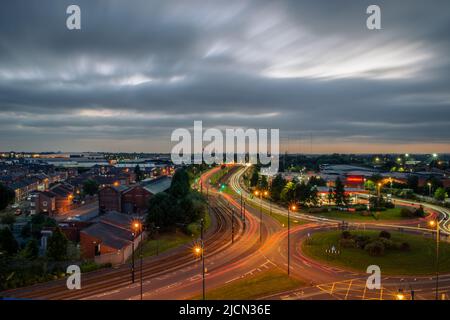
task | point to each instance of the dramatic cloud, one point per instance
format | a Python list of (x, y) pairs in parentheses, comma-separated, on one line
[(139, 69)]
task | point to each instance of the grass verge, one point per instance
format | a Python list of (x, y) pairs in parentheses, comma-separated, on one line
[(419, 260), (257, 286)]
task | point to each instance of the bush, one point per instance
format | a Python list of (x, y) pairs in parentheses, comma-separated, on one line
[(375, 248), (362, 241), (385, 234), (419, 212), (388, 243), (347, 243)]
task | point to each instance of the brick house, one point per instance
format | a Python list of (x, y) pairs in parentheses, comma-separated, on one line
[(135, 200), (45, 202), (110, 240), (110, 198)]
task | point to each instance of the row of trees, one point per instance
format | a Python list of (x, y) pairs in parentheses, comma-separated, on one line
[(304, 193), (179, 206)]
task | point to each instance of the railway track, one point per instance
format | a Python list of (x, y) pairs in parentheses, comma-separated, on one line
[(217, 239)]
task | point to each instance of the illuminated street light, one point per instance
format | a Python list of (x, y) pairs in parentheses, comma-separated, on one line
[(260, 193), (435, 224), (400, 295), (292, 207)]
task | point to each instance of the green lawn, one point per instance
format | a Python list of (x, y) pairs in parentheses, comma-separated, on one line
[(257, 286), (282, 220), (389, 214), (420, 260), (164, 242), (169, 240)]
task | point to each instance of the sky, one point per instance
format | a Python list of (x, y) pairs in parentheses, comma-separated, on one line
[(137, 70)]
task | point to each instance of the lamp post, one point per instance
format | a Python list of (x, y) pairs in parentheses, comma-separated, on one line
[(379, 189), (293, 208), (266, 194), (140, 256), (199, 250), (435, 224), (136, 226), (243, 211), (258, 193), (429, 188), (232, 225), (132, 257), (203, 258)]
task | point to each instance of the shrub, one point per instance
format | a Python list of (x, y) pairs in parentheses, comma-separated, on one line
[(375, 248), (362, 241), (419, 212), (388, 243), (385, 234), (347, 243)]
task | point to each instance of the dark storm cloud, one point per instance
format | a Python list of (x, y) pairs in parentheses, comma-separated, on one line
[(140, 69)]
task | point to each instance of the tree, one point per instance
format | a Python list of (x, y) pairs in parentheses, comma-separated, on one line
[(330, 195), (314, 196), (440, 194), (6, 196), (31, 250), (163, 211), (288, 193), (340, 197), (57, 245), (263, 184), (90, 187), (254, 179), (180, 186), (139, 174), (317, 181), (8, 243), (276, 187), (302, 193)]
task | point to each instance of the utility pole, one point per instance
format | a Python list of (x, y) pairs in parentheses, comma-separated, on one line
[(437, 258), (203, 258), (132, 257), (140, 253), (232, 225)]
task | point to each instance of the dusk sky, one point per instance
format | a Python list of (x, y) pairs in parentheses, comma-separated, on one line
[(137, 70)]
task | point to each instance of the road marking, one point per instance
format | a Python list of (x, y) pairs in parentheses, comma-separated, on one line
[(348, 289)]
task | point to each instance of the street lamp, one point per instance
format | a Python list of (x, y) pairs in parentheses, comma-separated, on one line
[(135, 225), (258, 193), (435, 224), (199, 250), (266, 194), (400, 295), (292, 207), (429, 188)]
